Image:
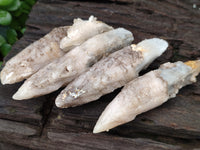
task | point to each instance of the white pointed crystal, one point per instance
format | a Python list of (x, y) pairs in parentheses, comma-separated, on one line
[(147, 92), (112, 72), (34, 57)]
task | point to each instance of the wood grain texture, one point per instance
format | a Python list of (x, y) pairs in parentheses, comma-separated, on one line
[(175, 124)]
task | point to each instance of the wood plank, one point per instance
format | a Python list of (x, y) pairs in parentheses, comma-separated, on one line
[(7, 146), (84, 141), (176, 21), (23, 111), (108, 142), (16, 128)]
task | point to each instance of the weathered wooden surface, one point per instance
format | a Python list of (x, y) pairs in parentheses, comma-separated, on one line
[(38, 124)]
